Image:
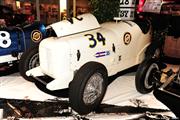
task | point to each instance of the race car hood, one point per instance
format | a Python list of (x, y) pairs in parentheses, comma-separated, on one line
[(75, 25)]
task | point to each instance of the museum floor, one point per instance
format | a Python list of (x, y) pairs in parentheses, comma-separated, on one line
[(120, 99)]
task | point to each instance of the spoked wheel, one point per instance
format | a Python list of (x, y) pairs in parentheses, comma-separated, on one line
[(147, 76), (29, 60), (34, 61), (88, 87), (93, 88)]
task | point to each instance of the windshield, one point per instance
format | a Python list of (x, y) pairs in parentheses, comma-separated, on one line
[(50, 32)]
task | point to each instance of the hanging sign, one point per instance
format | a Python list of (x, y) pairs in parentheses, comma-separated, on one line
[(127, 9), (127, 3), (153, 6), (126, 13)]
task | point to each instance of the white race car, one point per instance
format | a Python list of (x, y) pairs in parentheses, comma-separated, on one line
[(84, 53)]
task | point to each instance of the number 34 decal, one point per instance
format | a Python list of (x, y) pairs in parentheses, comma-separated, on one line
[(94, 40)]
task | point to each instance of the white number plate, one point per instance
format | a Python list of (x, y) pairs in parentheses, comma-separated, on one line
[(127, 3), (126, 13)]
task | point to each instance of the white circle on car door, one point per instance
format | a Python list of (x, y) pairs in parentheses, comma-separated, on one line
[(5, 40)]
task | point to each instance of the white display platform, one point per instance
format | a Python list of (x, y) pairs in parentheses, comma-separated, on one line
[(119, 93)]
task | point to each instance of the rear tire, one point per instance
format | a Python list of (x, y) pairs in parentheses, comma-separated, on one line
[(88, 87), (145, 76), (29, 60)]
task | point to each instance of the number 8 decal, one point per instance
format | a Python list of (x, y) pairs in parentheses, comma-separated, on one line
[(5, 40)]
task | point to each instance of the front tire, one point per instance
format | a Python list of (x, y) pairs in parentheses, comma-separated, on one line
[(29, 60), (147, 75), (88, 87)]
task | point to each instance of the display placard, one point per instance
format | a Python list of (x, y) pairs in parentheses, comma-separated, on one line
[(153, 6), (127, 9), (126, 13), (127, 3)]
